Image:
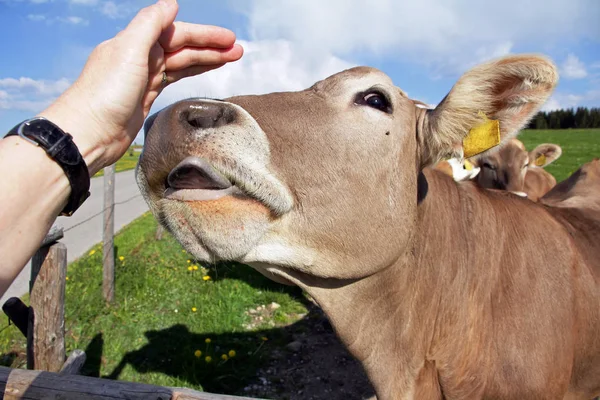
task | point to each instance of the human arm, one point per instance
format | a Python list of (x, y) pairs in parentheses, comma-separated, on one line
[(103, 110)]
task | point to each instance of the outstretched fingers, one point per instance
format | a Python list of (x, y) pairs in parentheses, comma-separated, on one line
[(194, 56), (182, 34)]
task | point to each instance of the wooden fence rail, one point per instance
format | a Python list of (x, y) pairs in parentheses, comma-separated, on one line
[(40, 385)]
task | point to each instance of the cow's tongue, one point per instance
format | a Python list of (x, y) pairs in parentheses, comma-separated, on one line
[(194, 179)]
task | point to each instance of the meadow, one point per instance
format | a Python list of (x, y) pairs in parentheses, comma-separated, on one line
[(125, 163), (177, 322)]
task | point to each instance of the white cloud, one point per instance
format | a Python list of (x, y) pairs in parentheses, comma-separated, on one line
[(16, 94), (557, 101), (573, 68), (71, 20), (115, 10), (29, 1), (36, 17), (267, 66), (84, 2), (43, 87), (74, 20), (444, 33)]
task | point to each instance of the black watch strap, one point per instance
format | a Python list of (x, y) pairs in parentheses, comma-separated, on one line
[(60, 147)]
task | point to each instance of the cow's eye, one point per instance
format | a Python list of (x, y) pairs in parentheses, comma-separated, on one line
[(377, 100), (488, 166)]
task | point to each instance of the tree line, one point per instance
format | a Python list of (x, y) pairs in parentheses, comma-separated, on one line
[(580, 118)]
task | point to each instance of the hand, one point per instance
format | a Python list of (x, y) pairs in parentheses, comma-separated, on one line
[(106, 106)]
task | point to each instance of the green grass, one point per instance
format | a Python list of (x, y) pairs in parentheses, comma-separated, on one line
[(579, 146), (151, 333), (124, 163)]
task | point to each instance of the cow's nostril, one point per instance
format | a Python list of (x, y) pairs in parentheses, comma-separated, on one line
[(207, 115)]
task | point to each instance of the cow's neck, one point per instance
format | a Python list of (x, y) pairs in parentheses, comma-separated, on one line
[(390, 320)]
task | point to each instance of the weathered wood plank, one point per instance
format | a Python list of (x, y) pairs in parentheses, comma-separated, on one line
[(17, 384), (46, 326), (74, 363), (108, 250)]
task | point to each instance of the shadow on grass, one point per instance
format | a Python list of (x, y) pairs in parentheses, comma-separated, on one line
[(233, 270), (93, 353), (300, 361), (318, 368)]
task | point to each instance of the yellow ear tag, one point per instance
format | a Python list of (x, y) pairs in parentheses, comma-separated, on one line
[(468, 165), (541, 160), (482, 137)]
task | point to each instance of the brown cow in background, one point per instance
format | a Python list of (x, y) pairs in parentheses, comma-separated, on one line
[(515, 170)]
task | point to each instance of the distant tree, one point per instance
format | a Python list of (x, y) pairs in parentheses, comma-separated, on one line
[(568, 118), (553, 120), (540, 121)]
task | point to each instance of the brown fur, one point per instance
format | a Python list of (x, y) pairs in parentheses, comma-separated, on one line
[(444, 167), (386, 247)]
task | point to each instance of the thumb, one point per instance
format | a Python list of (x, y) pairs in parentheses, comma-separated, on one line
[(145, 28)]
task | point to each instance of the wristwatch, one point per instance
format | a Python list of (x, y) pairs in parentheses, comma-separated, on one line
[(60, 147)]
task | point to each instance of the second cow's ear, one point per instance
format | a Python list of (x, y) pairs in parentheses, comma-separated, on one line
[(487, 106), (544, 154)]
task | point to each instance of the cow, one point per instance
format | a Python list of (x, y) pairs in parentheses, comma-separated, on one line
[(580, 191), (512, 168), (327, 188)]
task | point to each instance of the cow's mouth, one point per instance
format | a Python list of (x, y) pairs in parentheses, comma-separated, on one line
[(194, 179)]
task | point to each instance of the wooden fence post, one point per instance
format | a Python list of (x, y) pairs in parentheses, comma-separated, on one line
[(108, 282), (46, 324), (159, 232)]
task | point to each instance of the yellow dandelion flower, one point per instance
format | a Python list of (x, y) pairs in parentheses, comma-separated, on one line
[(207, 340), (121, 258), (190, 268), (195, 267), (224, 357), (92, 252), (206, 278), (264, 338), (189, 261), (67, 278), (231, 353), (197, 353), (194, 309), (208, 359)]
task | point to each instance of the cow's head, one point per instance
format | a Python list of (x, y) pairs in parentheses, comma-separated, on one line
[(324, 181), (506, 169)]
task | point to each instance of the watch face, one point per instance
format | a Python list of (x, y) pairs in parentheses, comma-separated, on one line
[(52, 139), (41, 128)]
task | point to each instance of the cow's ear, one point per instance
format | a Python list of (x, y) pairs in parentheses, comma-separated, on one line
[(544, 154), (487, 106)]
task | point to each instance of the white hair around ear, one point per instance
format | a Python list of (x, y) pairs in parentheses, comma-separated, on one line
[(460, 173)]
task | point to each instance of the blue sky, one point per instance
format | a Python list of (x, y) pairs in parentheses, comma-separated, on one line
[(423, 45)]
